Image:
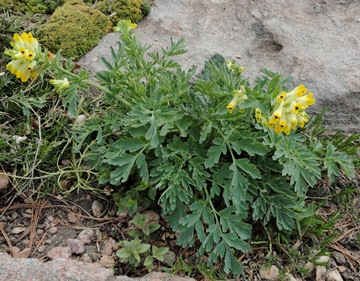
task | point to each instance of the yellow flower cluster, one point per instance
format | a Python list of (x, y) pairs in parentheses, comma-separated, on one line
[(239, 97), (60, 84), (125, 25), (26, 56), (235, 68), (289, 110)]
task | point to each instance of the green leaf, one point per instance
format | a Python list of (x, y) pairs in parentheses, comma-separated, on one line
[(125, 164), (148, 262), (215, 152), (123, 253), (220, 249), (158, 253), (200, 230), (205, 131), (72, 99), (238, 186), (231, 263), (251, 147), (335, 160), (142, 248), (130, 144), (186, 237), (234, 242), (248, 167), (142, 166), (153, 227)]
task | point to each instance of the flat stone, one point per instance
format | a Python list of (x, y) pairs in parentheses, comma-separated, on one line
[(66, 269), (333, 275)]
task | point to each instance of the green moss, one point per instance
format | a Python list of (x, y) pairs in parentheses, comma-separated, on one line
[(74, 28), (133, 10), (32, 6)]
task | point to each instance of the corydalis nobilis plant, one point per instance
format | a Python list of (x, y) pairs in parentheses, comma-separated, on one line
[(161, 132)]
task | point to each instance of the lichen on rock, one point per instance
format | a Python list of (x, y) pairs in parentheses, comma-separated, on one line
[(75, 28)]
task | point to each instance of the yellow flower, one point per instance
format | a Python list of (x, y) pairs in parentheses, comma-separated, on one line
[(289, 110), (258, 115), (27, 57), (125, 25), (239, 97), (60, 85), (235, 68), (281, 97), (275, 117)]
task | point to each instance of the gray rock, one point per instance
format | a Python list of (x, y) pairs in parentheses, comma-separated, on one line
[(56, 270), (271, 274), (333, 275), (67, 270), (76, 246), (315, 42)]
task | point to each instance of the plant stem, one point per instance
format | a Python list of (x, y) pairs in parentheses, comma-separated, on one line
[(95, 85)]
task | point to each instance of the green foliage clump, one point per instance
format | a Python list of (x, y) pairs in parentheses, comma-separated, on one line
[(135, 252), (133, 10), (32, 6), (74, 28)]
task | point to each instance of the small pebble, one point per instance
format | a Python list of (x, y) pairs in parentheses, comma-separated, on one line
[(39, 231), (170, 258), (80, 119), (72, 217), (272, 273), (25, 242), (98, 235), (52, 230), (108, 247), (97, 208), (333, 275), (48, 241), (87, 258), (18, 229), (107, 261), (50, 218), (41, 249), (86, 236), (59, 253), (76, 246), (14, 215)]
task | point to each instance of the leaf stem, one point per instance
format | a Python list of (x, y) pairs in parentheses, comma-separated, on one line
[(95, 85)]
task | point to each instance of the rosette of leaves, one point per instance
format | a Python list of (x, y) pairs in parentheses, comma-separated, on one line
[(214, 173)]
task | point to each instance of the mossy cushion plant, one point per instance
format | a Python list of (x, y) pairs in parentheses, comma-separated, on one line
[(133, 10), (75, 28), (32, 6)]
